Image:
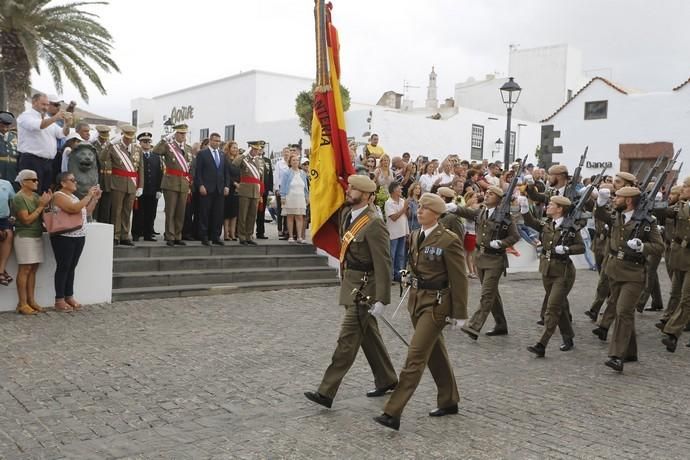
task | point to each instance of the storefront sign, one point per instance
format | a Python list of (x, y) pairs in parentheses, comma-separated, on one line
[(178, 115), (599, 164)]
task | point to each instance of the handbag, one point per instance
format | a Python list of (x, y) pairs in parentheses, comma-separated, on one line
[(58, 221)]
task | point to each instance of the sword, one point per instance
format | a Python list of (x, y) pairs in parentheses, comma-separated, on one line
[(385, 321), (360, 298), (402, 300)]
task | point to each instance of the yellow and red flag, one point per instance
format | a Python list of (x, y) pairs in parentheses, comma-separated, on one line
[(330, 156)]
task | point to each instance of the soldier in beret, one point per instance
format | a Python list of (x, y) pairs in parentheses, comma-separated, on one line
[(629, 246), (438, 296), (669, 234), (557, 269), (365, 265), (451, 221), (558, 184)]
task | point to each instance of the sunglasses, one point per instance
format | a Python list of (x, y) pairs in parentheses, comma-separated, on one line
[(32, 180), (55, 104), (72, 179)]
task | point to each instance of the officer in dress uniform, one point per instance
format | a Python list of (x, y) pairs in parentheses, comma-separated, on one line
[(145, 212), (267, 174), (250, 190), (492, 241), (629, 247), (438, 295), (365, 265), (8, 148), (557, 270), (450, 220), (123, 159), (176, 182), (102, 211)]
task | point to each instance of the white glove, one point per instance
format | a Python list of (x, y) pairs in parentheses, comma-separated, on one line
[(529, 179), (636, 244), (451, 207), (523, 202), (139, 192), (377, 309), (603, 198), (455, 324), (560, 249), (159, 195), (659, 196), (583, 190), (496, 244), (595, 194)]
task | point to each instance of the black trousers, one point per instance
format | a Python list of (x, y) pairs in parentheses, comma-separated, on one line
[(261, 217), (43, 168), (279, 218), (210, 216), (144, 214), (190, 229), (67, 250)]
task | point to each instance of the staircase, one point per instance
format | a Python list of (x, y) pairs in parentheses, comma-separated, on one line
[(153, 270)]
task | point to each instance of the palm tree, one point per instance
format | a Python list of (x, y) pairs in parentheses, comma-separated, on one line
[(63, 37)]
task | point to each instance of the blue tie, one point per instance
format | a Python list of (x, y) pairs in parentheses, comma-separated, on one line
[(215, 158)]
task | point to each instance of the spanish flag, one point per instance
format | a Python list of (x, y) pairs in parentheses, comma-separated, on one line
[(330, 156)]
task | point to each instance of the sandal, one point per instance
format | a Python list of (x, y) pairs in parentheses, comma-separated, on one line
[(26, 310), (37, 307), (3, 280), (62, 307), (72, 302), (7, 276)]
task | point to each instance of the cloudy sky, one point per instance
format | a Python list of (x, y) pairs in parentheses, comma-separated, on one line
[(164, 45)]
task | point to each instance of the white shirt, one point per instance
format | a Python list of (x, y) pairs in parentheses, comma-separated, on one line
[(426, 181), (32, 139), (280, 169), (354, 214), (627, 216), (428, 231), (396, 228), (557, 223), (446, 178)]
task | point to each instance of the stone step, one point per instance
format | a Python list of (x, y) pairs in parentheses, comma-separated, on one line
[(161, 292), (155, 264), (195, 248), (218, 276)]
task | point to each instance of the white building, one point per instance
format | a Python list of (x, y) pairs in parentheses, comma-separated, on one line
[(623, 129), (548, 75), (248, 106)]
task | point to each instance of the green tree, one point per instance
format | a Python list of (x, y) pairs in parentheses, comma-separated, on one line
[(63, 37), (304, 106)]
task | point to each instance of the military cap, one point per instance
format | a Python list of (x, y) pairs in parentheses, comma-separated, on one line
[(495, 190), (128, 131), (676, 189), (628, 192), (361, 183), (103, 129), (256, 144), (626, 176), (560, 200), (432, 202), (181, 128), (6, 118), (558, 169), (446, 192), (145, 136)]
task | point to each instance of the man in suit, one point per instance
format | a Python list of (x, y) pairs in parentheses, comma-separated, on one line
[(261, 209), (365, 265), (250, 190), (438, 295), (123, 158), (145, 212), (213, 183), (176, 182)]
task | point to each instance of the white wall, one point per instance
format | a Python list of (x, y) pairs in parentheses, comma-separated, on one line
[(632, 118), (275, 96)]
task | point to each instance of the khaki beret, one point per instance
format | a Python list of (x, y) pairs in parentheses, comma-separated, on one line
[(686, 182), (103, 128), (558, 169), (628, 192), (128, 131), (676, 189), (561, 200), (432, 202), (446, 192), (626, 176), (361, 183), (495, 190)]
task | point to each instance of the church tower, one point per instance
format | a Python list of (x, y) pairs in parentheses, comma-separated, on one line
[(431, 92)]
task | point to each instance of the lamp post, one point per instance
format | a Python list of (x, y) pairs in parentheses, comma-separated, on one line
[(168, 126), (510, 93)]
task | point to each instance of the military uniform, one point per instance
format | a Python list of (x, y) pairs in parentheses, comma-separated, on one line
[(600, 249), (102, 211), (127, 178), (267, 180), (145, 214), (250, 191), (8, 150), (367, 255), (558, 276), (625, 269), (491, 265), (175, 184)]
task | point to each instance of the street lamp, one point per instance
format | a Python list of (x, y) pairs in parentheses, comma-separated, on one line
[(510, 93), (168, 126), (497, 149)]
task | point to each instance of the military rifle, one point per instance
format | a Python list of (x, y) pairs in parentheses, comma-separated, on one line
[(572, 223), (501, 215), (571, 192), (669, 183), (650, 174)]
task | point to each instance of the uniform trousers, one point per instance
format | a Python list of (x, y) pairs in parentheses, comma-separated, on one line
[(104, 205), (261, 217), (175, 203), (427, 348), (624, 295), (602, 292), (673, 298), (489, 301), (680, 289), (557, 309), (246, 218), (359, 329), (144, 216), (121, 214), (652, 287)]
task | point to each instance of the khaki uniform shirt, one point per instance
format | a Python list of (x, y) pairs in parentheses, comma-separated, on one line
[(552, 264), (171, 182), (486, 231), (249, 167), (113, 160)]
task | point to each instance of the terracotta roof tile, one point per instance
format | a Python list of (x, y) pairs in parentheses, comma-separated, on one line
[(681, 85), (612, 85)]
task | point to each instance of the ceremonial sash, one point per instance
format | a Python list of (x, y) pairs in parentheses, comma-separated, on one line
[(179, 155), (253, 180), (178, 173), (350, 235), (253, 169), (128, 170)]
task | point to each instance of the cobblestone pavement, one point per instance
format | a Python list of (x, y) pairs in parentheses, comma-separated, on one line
[(223, 377)]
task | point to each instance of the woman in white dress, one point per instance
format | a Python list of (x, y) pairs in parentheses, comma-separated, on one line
[(294, 204)]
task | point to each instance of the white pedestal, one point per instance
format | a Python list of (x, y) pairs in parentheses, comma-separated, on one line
[(93, 279)]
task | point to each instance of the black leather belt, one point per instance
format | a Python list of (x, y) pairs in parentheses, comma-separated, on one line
[(555, 256), (490, 250), (417, 283), (359, 268), (35, 156), (634, 258)]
